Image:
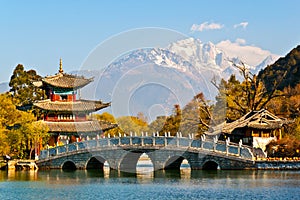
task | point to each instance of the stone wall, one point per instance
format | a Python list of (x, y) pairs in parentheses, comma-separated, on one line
[(278, 165)]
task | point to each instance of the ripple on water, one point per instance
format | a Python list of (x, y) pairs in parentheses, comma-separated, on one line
[(178, 184)]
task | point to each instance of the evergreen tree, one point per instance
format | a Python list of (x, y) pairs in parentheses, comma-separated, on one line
[(22, 87)]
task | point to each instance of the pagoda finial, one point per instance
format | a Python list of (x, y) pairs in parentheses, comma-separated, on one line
[(60, 66)]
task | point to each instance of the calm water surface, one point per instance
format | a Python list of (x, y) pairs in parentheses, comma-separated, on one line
[(181, 184)]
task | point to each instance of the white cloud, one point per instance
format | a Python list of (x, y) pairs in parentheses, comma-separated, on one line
[(240, 41), (242, 24), (251, 55), (206, 26)]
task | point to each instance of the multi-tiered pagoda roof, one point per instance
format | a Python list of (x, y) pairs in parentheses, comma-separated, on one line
[(64, 113)]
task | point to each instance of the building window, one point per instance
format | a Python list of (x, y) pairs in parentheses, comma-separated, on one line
[(64, 97)]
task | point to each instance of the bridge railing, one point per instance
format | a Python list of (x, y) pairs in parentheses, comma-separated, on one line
[(222, 147)]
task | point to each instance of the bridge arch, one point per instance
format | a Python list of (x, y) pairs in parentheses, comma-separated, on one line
[(95, 162), (175, 162), (129, 162), (69, 165), (211, 165)]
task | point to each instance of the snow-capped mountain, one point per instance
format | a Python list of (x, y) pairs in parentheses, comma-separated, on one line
[(153, 80), (208, 57), (150, 80), (201, 55), (158, 56), (267, 61)]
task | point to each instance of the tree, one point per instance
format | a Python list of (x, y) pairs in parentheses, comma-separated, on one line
[(296, 128), (26, 134), (284, 72), (22, 87), (242, 97), (4, 145), (132, 124), (18, 129), (157, 125), (104, 117), (197, 116), (288, 146), (173, 122), (291, 101), (36, 135), (141, 117), (108, 118)]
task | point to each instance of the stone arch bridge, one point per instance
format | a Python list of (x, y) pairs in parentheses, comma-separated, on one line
[(165, 152)]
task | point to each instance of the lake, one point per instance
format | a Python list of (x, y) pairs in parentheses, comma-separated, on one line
[(178, 184)]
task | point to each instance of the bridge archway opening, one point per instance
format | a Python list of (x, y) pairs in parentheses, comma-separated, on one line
[(144, 164), (177, 162), (96, 162), (69, 166), (211, 165), (134, 160)]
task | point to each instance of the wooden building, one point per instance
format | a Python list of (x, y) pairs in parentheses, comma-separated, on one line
[(65, 114), (256, 129)]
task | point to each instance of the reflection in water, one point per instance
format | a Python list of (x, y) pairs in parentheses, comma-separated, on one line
[(162, 184), (74, 176), (29, 175), (186, 173)]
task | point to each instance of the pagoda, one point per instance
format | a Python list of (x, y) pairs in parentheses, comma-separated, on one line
[(65, 114)]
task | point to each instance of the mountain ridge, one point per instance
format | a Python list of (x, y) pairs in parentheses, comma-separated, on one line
[(148, 77), (285, 70)]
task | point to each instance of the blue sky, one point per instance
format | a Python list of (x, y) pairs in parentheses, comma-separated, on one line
[(37, 33)]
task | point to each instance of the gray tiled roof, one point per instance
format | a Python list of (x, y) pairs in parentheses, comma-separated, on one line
[(63, 80), (79, 127), (261, 119), (71, 106)]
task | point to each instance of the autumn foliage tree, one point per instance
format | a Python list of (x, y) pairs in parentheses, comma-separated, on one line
[(289, 104), (242, 97), (173, 122), (19, 132), (195, 118), (126, 124), (108, 118), (132, 124)]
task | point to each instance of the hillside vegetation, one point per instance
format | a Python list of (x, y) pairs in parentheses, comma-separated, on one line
[(285, 71)]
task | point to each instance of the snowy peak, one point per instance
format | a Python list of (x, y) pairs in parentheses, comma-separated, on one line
[(158, 56), (267, 61), (190, 55), (166, 58), (199, 54)]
